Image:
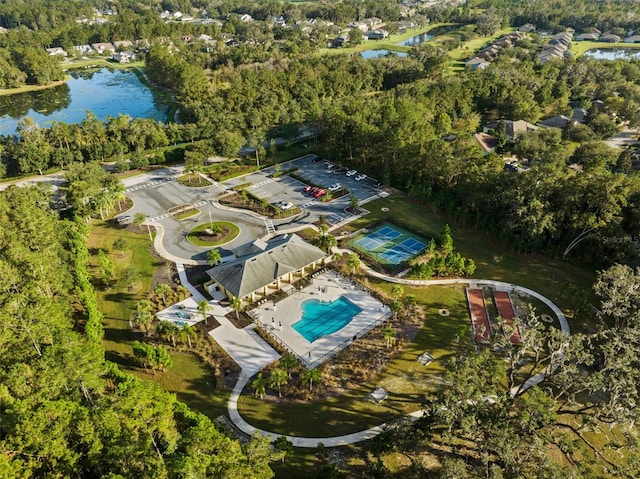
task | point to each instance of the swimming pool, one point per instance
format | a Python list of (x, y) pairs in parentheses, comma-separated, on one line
[(320, 318)]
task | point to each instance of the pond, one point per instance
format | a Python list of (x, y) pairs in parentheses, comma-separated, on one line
[(104, 92), (613, 53), (416, 40), (368, 54)]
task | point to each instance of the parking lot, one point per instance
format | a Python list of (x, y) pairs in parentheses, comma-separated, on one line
[(286, 188), (155, 193)]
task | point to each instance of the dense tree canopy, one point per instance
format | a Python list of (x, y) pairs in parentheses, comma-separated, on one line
[(65, 411)]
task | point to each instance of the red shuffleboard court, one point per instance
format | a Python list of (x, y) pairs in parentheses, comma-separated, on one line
[(479, 316), (506, 312)]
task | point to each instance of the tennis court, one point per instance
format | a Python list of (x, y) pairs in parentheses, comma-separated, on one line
[(390, 244)]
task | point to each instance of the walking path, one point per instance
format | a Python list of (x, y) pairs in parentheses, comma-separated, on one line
[(370, 433)]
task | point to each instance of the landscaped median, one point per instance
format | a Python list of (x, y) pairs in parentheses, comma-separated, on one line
[(213, 233)]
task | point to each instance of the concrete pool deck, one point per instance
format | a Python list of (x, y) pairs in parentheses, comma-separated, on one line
[(328, 286)]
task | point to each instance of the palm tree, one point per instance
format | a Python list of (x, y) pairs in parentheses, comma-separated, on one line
[(203, 309), (144, 318), (288, 362), (259, 385), (167, 330), (325, 241), (396, 307), (409, 301), (236, 305), (214, 256), (310, 376), (353, 203), (353, 262), (162, 289), (139, 219), (188, 332), (389, 336), (396, 291), (278, 379)]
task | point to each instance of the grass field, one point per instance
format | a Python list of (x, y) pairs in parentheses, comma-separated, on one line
[(189, 378)]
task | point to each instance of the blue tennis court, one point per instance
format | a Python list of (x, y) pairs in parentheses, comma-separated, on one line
[(391, 245)]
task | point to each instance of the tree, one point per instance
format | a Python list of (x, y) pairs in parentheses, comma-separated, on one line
[(203, 309), (283, 445), (397, 291), (311, 375), (277, 379), (188, 333), (130, 277), (162, 290), (389, 336), (409, 302), (354, 203), (139, 219), (353, 262), (288, 362), (214, 257), (446, 241), (143, 315), (325, 241), (106, 267), (236, 305), (356, 37), (167, 331), (259, 385), (120, 245)]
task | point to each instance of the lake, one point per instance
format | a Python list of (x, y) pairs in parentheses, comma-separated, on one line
[(613, 53), (368, 54), (416, 40), (105, 92)]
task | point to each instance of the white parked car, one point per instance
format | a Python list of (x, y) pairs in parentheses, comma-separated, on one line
[(286, 206), (351, 172), (361, 176), (335, 187)]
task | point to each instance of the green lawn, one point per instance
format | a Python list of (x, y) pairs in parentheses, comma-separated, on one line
[(234, 231), (404, 378)]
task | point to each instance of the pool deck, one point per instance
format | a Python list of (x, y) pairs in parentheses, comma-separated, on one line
[(326, 286)]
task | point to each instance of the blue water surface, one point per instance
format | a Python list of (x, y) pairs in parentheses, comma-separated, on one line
[(368, 54), (104, 92), (320, 318)]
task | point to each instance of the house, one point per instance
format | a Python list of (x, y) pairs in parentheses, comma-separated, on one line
[(512, 129), (83, 49), (610, 38), (559, 121), (245, 18), (487, 142), (589, 37), (526, 28), (103, 48), (204, 38), (124, 57), (361, 25), (56, 51), (476, 63), (376, 34), (263, 267), (187, 38), (372, 22), (632, 39), (279, 21), (580, 114)]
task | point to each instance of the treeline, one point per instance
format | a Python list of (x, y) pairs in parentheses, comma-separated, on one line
[(66, 411)]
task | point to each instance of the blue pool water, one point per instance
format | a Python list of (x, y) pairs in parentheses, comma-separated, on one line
[(320, 318)]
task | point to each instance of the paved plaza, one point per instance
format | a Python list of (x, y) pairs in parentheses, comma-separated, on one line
[(278, 319)]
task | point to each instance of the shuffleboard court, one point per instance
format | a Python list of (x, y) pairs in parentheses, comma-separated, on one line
[(479, 316), (506, 312)]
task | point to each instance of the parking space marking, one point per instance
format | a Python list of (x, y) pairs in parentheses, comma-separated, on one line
[(308, 204)]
